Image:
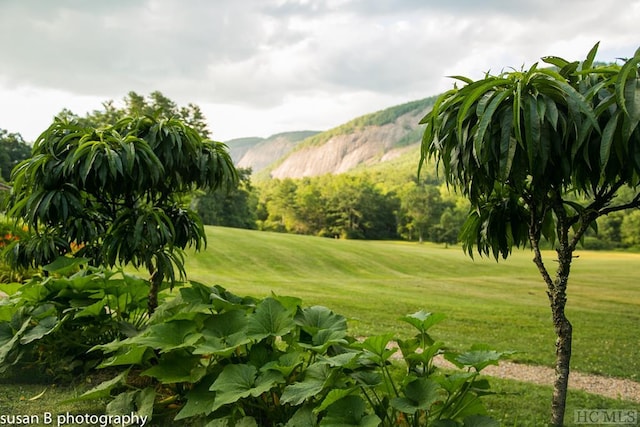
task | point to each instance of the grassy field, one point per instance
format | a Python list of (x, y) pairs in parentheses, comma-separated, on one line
[(502, 304), (373, 283)]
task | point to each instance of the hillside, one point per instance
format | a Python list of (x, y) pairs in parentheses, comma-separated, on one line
[(259, 153), (365, 141)]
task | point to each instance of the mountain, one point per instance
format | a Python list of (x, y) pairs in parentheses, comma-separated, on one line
[(259, 153), (367, 140)]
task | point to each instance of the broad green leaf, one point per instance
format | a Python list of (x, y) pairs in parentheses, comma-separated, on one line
[(64, 265), (304, 417), (480, 421), (324, 339), (139, 402), (423, 320), (103, 390), (316, 318), (224, 333), (377, 348), (169, 336), (314, 382), (335, 395), (9, 340), (200, 400), (349, 411), (128, 355), (271, 318), (286, 364), (454, 382), (237, 382), (479, 357), (419, 395), (44, 327), (177, 367)]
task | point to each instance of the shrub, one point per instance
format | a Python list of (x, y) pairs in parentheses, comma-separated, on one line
[(51, 323), (213, 355)]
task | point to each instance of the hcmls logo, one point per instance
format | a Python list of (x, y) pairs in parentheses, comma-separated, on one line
[(606, 416)]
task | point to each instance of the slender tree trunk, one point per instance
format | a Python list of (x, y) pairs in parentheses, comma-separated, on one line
[(155, 281), (556, 291), (563, 329)]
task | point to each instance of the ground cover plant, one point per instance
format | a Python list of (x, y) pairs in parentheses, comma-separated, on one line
[(209, 354)]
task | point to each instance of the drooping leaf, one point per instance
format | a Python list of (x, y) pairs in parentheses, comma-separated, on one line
[(128, 355), (102, 390), (349, 411), (200, 400), (169, 336), (314, 382), (177, 367)]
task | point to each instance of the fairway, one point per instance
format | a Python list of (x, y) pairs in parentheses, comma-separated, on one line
[(502, 304)]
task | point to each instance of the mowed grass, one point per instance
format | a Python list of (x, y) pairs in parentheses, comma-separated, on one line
[(503, 304)]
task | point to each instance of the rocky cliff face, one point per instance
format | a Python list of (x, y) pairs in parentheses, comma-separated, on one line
[(259, 153), (341, 153), (370, 139)]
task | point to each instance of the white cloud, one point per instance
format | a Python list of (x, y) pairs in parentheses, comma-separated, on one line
[(258, 67)]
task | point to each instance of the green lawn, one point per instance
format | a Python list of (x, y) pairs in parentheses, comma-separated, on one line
[(503, 304)]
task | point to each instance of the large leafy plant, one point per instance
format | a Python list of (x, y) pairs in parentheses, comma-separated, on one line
[(51, 323), (210, 355)]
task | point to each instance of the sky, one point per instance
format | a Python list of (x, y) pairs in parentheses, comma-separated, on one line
[(261, 67)]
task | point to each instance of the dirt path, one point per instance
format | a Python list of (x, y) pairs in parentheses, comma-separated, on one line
[(614, 388)]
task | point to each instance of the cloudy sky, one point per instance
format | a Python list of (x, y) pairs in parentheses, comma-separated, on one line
[(259, 67)]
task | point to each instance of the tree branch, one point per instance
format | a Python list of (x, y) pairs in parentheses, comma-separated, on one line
[(635, 203)]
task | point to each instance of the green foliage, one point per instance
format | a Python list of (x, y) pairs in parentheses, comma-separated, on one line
[(521, 144), (233, 207), (50, 323), (13, 150), (334, 206), (218, 357), (154, 105), (11, 232), (115, 192)]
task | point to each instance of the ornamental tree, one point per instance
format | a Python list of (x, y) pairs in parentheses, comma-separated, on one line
[(541, 153), (113, 195)]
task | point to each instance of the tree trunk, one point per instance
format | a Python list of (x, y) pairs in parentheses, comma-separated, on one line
[(556, 291), (563, 329), (155, 281)]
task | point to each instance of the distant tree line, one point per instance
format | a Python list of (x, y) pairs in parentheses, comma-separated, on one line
[(361, 206)]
